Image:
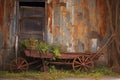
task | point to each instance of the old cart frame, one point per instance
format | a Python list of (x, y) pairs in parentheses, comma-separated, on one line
[(78, 61)]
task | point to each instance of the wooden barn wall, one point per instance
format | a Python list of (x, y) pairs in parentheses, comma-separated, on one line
[(76, 24)]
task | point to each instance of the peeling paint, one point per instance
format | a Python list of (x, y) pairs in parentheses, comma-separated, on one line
[(79, 25), (73, 23), (78, 20)]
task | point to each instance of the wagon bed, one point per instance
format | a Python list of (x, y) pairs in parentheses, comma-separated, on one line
[(78, 60), (64, 55)]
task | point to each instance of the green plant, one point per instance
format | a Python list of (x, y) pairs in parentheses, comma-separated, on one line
[(29, 43), (24, 43), (55, 50), (43, 47)]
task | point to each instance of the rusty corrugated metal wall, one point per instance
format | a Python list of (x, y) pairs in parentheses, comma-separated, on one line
[(1, 28), (80, 25), (75, 23), (1, 21), (6, 30), (6, 24)]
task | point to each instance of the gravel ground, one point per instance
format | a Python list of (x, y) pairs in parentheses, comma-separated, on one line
[(91, 79), (106, 78), (16, 79)]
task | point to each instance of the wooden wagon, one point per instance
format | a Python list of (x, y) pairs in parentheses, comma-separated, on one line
[(78, 60)]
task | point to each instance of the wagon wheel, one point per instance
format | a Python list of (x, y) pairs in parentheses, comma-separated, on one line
[(83, 63), (19, 65)]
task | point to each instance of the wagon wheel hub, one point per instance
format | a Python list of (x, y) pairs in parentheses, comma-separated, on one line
[(83, 64)]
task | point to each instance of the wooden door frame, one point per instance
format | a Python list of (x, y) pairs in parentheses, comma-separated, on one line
[(17, 16)]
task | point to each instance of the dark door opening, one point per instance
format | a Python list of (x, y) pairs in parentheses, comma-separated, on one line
[(31, 20), (33, 4)]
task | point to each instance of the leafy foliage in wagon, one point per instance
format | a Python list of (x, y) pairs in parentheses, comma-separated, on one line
[(55, 50), (42, 47), (29, 43)]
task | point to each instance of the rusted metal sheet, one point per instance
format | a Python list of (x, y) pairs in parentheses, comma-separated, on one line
[(1, 31), (6, 26), (73, 23), (102, 23), (1, 21), (1, 14), (9, 11), (78, 24)]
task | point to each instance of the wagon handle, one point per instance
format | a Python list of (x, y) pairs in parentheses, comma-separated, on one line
[(110, 40)]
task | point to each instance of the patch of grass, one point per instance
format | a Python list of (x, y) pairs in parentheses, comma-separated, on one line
[(104, 71), (55, 74), (98, 72)]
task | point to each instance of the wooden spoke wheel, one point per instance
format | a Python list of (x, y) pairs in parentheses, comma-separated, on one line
[(19, 65), (82, 63)]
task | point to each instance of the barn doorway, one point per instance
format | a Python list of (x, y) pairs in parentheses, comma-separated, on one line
[(31, 19)]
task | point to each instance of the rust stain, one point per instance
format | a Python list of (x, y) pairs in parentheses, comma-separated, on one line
[(82, 31), (85, 22), (9, 12), (1, 15), (49, 16), (8, 31), (55, 1), (84, 5), (56, 30), (50, 10), (82, 27), (103, 21), (101, 17), (62, 31), (63, 9), (71, 27)]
